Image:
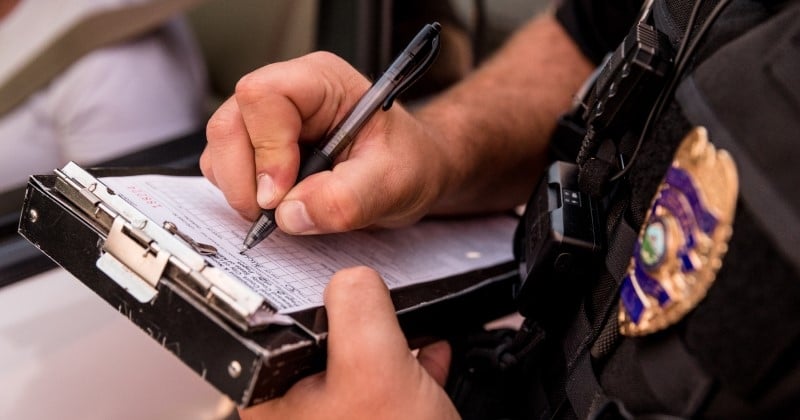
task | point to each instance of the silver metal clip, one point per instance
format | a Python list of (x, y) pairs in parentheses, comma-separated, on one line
[(133, 260), (201, 248)]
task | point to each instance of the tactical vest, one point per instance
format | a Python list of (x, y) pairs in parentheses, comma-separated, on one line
[(735, 355)]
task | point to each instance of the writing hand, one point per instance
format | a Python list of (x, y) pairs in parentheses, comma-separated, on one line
[(391, 176)]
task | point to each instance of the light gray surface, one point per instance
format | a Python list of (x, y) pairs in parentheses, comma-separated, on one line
[(66, 354)]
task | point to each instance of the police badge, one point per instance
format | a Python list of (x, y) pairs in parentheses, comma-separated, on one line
[(683, 239)]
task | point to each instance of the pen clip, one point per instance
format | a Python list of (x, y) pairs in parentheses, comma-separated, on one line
[(419, 69)]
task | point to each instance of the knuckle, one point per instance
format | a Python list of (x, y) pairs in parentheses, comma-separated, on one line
[(252, 87), (248, 88), (220, 126), (275, 148), (325, 56), (205, 164), (216, 128), (205, 159)]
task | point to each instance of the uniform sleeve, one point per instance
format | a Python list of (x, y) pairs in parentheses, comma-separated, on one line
[(597, 26)]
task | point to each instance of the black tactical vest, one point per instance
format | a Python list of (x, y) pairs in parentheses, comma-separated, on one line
[(736, 354)]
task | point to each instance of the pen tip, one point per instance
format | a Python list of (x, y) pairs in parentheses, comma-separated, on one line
[(243, 249)]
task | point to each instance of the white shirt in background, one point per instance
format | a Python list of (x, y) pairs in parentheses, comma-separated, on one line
[(111, 102)]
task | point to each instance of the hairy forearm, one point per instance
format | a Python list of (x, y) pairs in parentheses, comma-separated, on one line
[(493, 127)]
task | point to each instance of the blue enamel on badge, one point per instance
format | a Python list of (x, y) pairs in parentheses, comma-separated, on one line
[(683, 239)]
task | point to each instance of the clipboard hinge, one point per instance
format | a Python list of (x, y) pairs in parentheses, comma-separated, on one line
[(137, 260), (85, 198), (144, 260)]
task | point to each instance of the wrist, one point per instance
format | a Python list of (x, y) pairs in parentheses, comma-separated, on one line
[(442, 124)]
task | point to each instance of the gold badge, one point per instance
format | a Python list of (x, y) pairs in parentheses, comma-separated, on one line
[(683, 239)]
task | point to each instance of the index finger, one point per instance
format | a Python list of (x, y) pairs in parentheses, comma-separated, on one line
[(285, 102), (228, 159)]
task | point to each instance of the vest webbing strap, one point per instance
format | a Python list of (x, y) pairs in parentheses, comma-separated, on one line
[(95, 30)]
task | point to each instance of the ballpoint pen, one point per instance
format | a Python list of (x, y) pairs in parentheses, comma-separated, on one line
[(415, 59)]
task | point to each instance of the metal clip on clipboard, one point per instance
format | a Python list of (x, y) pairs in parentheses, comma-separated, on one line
[(139, 254)]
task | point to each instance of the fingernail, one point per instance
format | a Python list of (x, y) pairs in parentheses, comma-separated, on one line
[(265, 191), (295, 217)]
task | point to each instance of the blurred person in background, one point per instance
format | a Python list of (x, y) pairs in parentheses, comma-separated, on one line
[(110, 102)]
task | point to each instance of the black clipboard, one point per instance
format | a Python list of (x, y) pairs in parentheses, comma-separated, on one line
[(238, 344)]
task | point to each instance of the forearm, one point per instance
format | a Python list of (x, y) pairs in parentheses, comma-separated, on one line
[(493, 127), (480, 146)]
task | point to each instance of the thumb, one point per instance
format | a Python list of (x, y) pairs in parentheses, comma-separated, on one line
[(390, 178), (362, 326)]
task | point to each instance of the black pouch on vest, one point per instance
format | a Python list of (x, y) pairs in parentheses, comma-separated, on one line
[(558, 234)]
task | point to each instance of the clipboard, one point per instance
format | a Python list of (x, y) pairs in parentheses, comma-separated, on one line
[(232, 336)]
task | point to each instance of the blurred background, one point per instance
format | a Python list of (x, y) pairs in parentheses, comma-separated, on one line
[(143, 100)]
